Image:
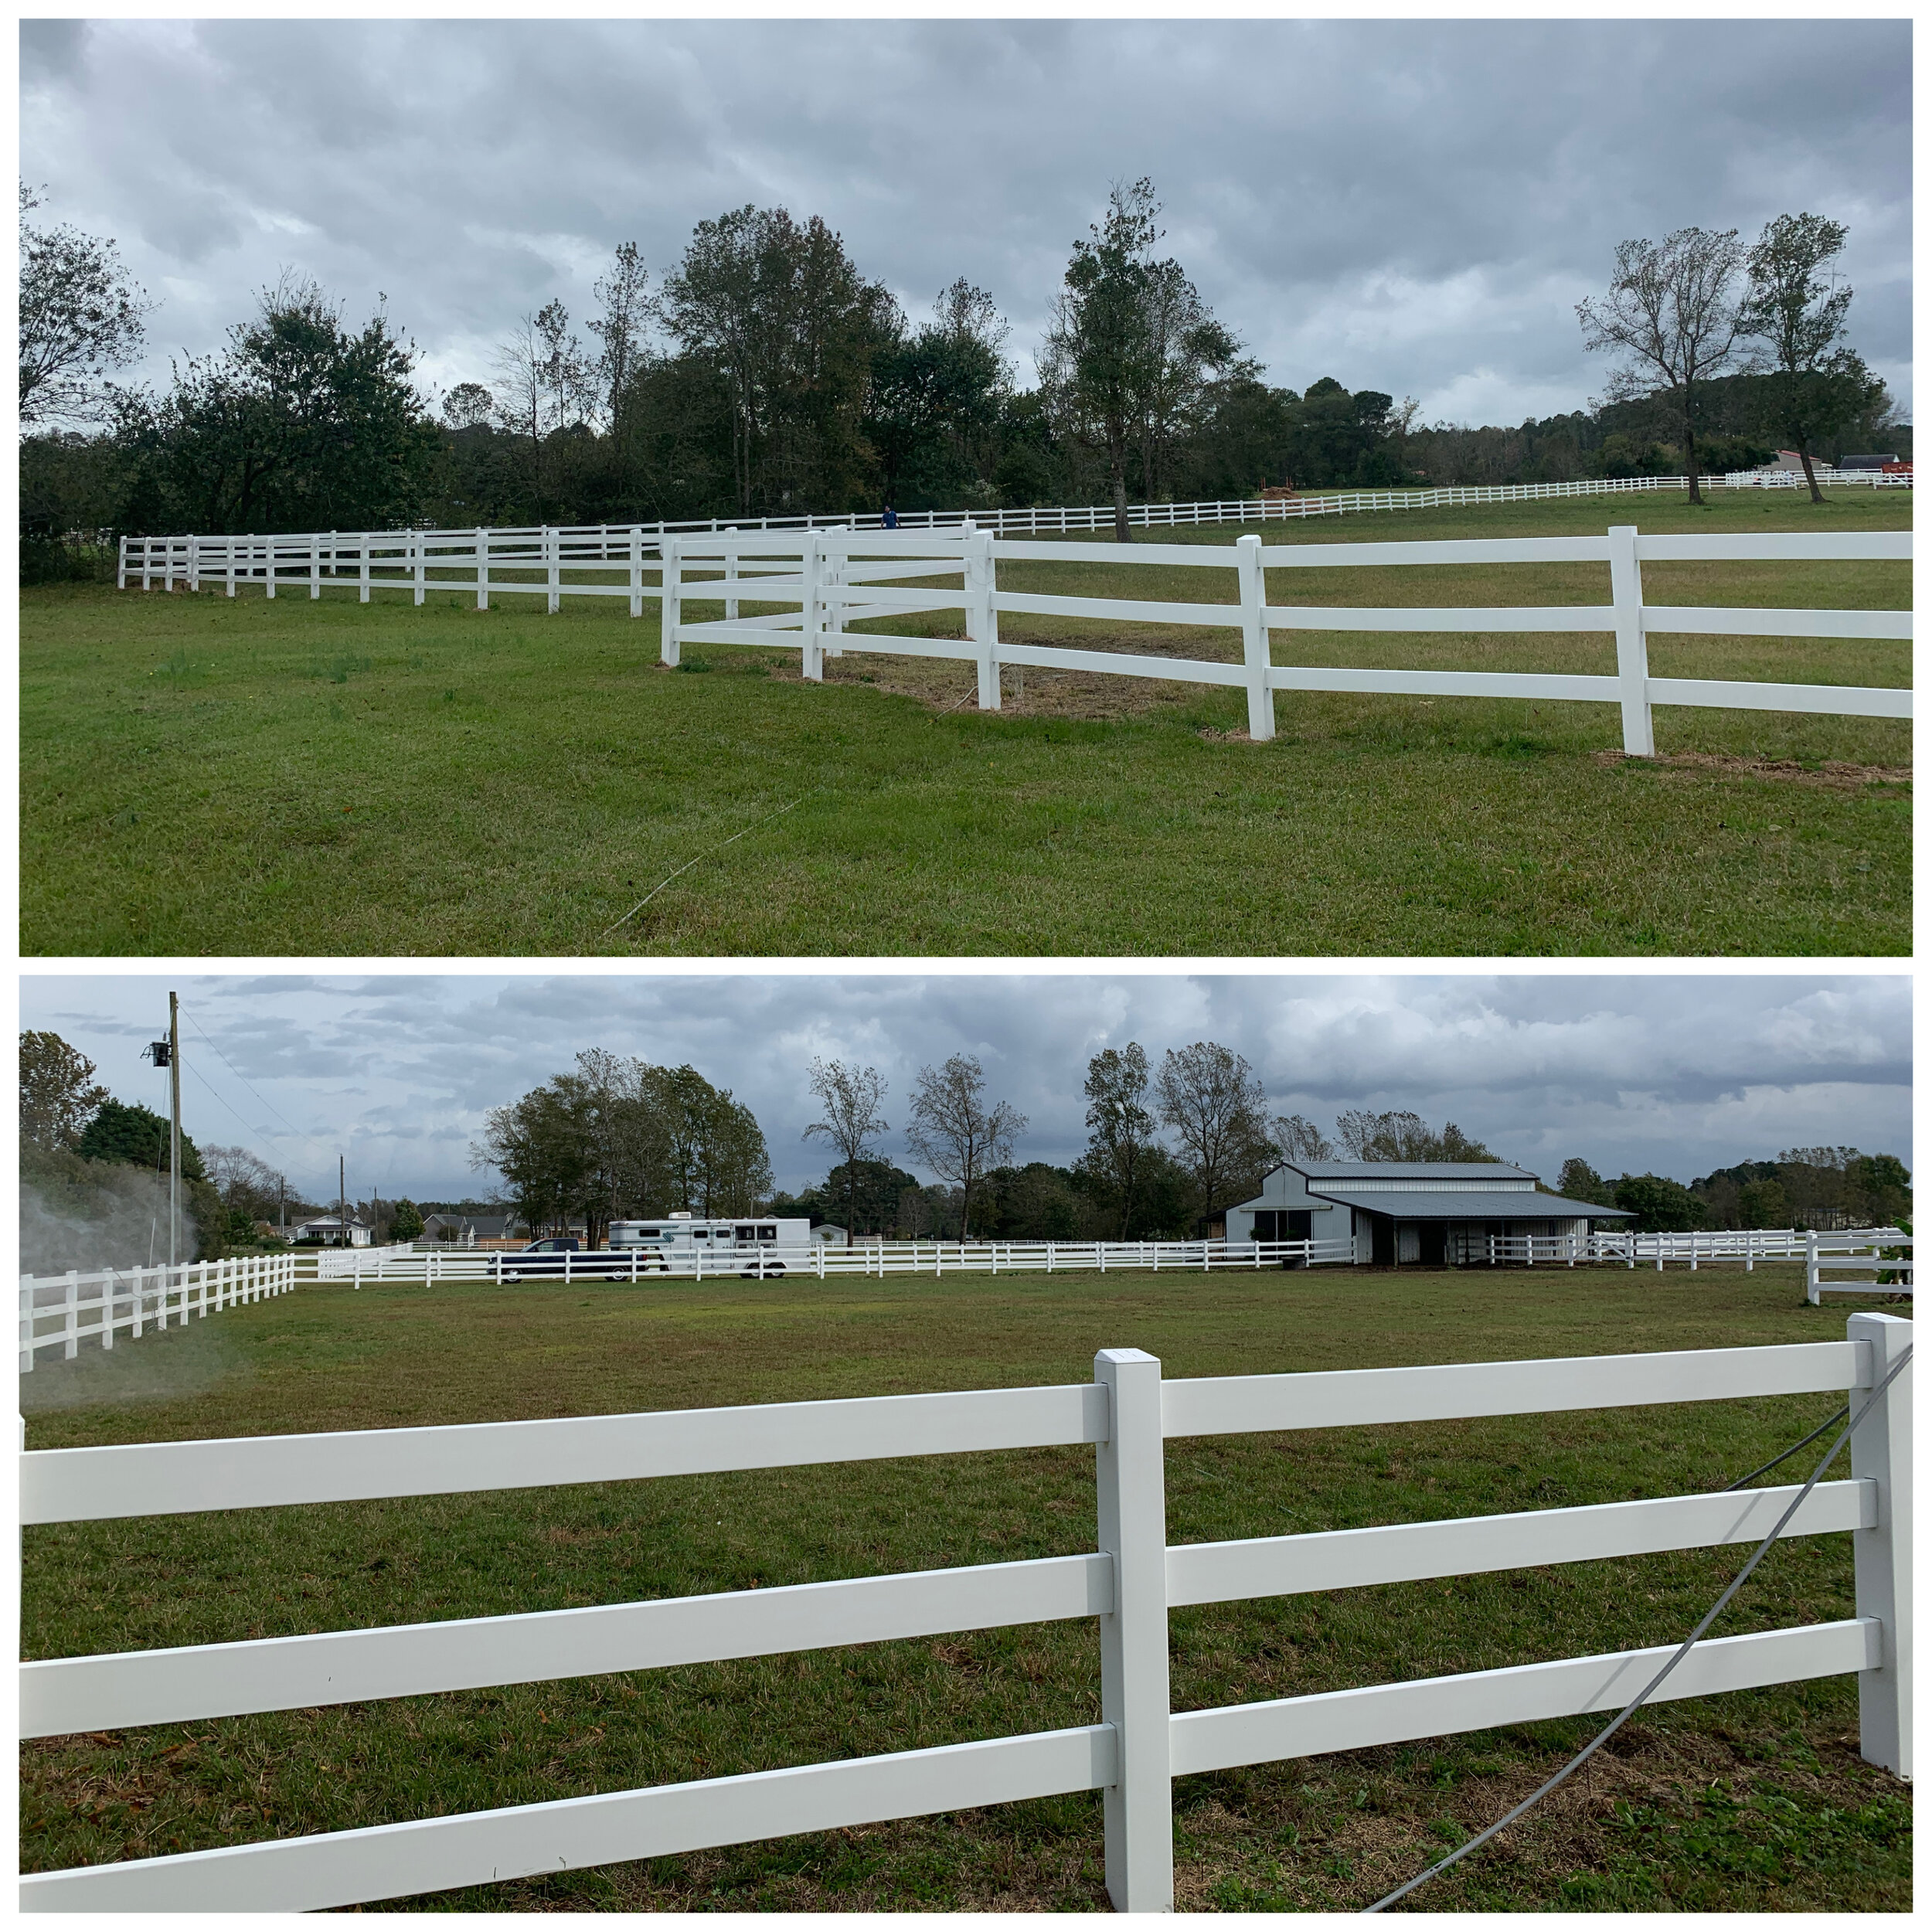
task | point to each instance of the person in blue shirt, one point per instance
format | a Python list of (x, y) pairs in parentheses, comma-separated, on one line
[(889, 518)]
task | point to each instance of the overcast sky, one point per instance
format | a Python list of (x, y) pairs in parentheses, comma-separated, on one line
[(1673, 1075), (1408, 205)]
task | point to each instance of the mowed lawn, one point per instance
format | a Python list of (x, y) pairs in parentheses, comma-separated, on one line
[(1752, 1800), (205, 777)]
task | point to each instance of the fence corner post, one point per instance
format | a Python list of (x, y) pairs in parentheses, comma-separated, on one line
[(1254, 636), (1633, 650), (982, 624), (671, 602), (1135, 1699), (1882, 1555), (1810, 1267), (813, 663)]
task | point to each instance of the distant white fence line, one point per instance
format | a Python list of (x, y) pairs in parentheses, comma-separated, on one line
[(836, 578), (187, 558), (423, 1261), (1879, 1260), (1825, 473), (1129, 1582), (65, 1310)]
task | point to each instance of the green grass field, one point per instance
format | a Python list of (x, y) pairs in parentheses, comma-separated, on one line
[(1755, 1801), (204, 776)]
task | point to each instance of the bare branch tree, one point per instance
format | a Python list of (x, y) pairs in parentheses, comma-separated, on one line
[(954, 1131), (850, 1095), (1210, 1097), (1672, 313), (624, 292), (1297, 1139)]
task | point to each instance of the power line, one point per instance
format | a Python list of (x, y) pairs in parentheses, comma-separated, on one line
[(250, 1128), (244, 1078)]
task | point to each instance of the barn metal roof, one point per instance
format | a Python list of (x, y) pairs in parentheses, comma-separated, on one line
[(1467, 1204), (1409, 1171)]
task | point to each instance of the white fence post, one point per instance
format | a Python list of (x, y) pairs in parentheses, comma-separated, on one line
[(120, 570), (419, 569), (482, 569), (637, 569), (362, 547), (1633, 653), (70, 1327), (1810, 1268), (671, 608), (1130, 1478), (553, 569), (1882, 1556), (731, 578), (1253, 580), (315, 565), (981, 627), (812, 662)]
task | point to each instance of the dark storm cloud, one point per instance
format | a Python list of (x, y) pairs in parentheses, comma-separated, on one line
[(1673, 1074), (1410, 206)]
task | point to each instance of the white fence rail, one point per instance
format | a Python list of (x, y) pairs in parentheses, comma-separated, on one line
[(1825, 473), (63, 1311), (839, 577), (1879, 1259), (1129, 1582)]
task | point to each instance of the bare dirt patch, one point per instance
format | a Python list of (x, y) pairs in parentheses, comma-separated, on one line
[(1026, 691), (1834, 774)]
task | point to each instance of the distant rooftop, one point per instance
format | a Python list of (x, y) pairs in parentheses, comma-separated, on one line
[(1409, 1171)]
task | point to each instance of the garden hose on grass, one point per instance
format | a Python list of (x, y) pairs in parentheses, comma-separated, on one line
[(1710, 1616)]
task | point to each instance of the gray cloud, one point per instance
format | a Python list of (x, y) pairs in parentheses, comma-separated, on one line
[(1677, 1074), (1414, 205)]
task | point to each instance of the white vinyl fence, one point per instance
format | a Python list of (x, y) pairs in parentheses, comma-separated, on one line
[(1129, 1581), (1878, 1260), (169, 560), (65, 1310), (836, 578), (881, 1258)]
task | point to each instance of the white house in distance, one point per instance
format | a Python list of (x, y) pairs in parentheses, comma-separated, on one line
[(1440, 1213)]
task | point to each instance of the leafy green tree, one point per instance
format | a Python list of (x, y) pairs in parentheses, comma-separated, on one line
[(1658, 1205), (1035, 1203), (119, 1132), (1121, 1130), (81, 318), (59, 1094), (299, 425), (1580, 1181), (1337, 439), (406, 1222), (776, 309), (1817, 383)]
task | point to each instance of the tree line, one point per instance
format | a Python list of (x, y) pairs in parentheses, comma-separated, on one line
[(1171, 1147), (765, 374)]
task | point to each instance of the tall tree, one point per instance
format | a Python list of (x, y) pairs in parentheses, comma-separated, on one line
[(1212, 1099), (1817, 384), (1581, 1182), (1120, 1128), (778, 310), (624, 292), (1672, 313), (850, 1097), (81, 318), (59, 1094), (1186, 350), (1095, 363), (247, 1184), (954, 1131), (138, 1135)]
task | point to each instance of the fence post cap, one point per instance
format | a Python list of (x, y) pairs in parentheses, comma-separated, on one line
[(1113, 1356)]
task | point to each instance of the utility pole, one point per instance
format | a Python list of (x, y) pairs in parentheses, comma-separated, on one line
[(174, 1124), (342, 1198)]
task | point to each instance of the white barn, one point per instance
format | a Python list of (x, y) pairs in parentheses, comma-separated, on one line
[(1440, 1213)]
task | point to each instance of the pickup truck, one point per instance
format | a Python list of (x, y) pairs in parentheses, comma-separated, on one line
[(550, 1259)]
